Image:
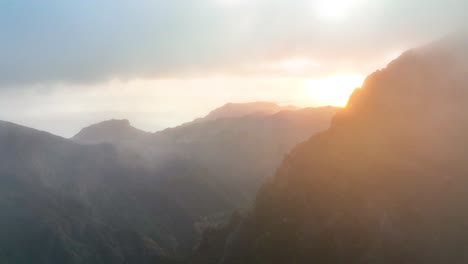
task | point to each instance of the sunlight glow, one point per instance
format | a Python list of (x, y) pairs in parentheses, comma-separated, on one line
[(296, 65), (335, 9), (333, 90)]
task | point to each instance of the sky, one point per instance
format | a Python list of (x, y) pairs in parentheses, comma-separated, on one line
[(159, 63)]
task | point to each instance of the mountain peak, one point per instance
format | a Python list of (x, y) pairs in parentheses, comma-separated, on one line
[(114, 123), (109, 131)]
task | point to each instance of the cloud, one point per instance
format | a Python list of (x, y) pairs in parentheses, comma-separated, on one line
[(93, 41)]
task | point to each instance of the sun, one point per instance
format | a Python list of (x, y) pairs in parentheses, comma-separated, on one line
[(331, 9), (334, 10), (332, 90)]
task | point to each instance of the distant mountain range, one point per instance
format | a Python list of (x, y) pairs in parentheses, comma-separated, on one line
[(386, 183), (221, 143), (115, 194)]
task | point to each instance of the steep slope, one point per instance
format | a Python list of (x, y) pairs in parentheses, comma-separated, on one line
[(46, 186), (387, 183)]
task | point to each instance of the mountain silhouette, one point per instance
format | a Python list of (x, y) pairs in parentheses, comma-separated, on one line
[(386, 183)]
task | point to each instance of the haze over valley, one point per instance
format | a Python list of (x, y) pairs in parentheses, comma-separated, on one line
[(114, 194), (233, 131)]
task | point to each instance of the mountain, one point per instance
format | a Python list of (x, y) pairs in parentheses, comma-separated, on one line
[(386, 183), (241, 152), (69, 203), (47, 185), (237, 152), (114, 194), (110, 131), (244, 109)]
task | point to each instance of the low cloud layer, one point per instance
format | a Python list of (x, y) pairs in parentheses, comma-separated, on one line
[(93, 41)]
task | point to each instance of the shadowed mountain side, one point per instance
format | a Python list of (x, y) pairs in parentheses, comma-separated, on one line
[(385, 184), (47, 185), (71, 203)]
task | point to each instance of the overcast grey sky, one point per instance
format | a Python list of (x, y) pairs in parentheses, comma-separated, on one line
[(65, 64)]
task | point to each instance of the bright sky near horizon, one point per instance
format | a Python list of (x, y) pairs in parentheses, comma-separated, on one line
[(159, 63)]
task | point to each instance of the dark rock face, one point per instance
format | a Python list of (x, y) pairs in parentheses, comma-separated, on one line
[(387, 183)]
